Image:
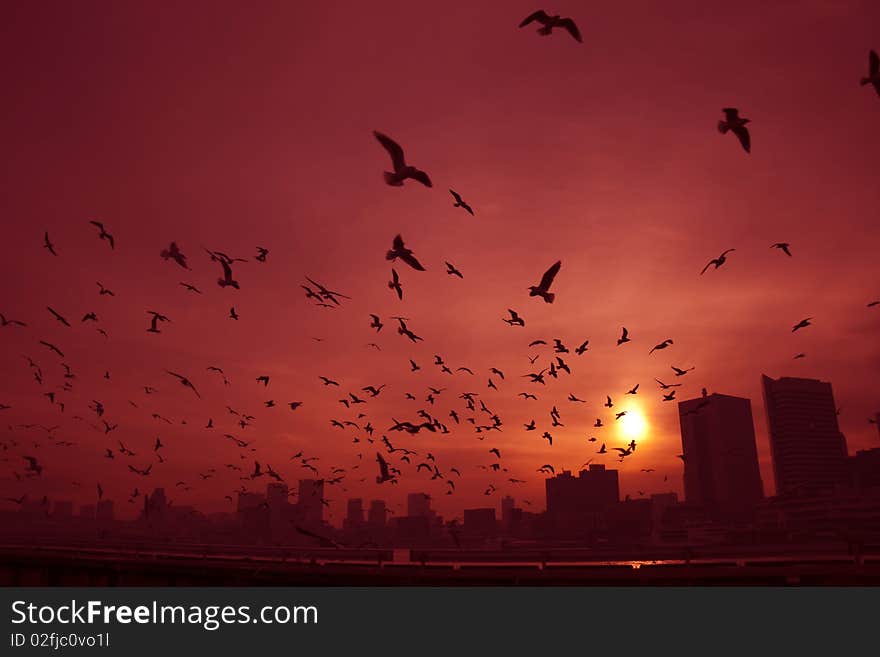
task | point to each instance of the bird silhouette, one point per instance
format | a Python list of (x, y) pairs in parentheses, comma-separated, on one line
[(624, 336), (58, 316), (173, 252), (384, 474), (10, 322), (452, 271), (103, 234), (514, 319), (156, 317), (662, 345), (737, 125), (47, 244), (402, 170), (549, 22), (801, 324), (459, 203), (782, 246), (873, 77), (542, 289), (720, 260), (398, 250), (186, 383), (395, 285)]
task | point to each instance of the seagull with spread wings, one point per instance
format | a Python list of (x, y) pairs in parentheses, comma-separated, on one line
[(399, 250), (460, 203), (103, 234), (549, 22), (873, 77), (720, 260), (185, 382), (736, 124), (402, 170), (542, 289)]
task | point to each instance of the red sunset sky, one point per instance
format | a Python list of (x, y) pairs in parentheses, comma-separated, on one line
[(229, 125)]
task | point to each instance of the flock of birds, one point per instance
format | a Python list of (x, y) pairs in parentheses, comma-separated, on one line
[(377, 440)]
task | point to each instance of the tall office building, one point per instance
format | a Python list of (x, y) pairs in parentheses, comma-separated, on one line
[(577, 503), (418, 504), (721, 470), (276, 495), (377, 514), (354, 515), (310, 502), (809, 452)]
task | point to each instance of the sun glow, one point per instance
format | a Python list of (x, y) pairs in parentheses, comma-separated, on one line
[(633, 425)]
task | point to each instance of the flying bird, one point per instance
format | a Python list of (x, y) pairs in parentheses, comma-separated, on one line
[(451, 270), (10, 322), (720, 260), (514, 320), (459, 203), (173, 252), (624, 336), (185, 382), (549, 22), (154, 322), (873, 77), (402, 170), (782, 246), (384, 474), (737, 125), (395, 285), (47, 244), (801, 324), (103, 234), (398, 250), (103, 291), (58, 316), (542, 289), (662, 345)]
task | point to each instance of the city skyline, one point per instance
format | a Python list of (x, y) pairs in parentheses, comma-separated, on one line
[(718, 448)]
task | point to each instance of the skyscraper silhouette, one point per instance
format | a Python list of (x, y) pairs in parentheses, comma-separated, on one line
[(720, 457), (354, 515), (418, 504), (310, 501), (377, 514), (577, 504), (809, 452)]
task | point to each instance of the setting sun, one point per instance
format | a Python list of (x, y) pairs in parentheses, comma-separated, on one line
[(633, 425)]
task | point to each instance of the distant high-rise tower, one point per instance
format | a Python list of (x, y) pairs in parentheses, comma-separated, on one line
[(575, 503), (276, 495), (377, 514), (418, 504), (809, 452), (310, 501), (720, 457), (354, 515)]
